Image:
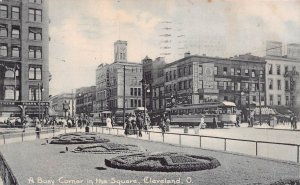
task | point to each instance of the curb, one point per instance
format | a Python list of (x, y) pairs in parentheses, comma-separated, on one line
[(278, 129)]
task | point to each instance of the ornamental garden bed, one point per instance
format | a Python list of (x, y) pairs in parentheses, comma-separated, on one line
[(107, 148), (78, 138), (287, 182), (165, 162)]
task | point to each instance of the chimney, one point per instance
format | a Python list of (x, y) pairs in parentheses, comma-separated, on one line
[(187, 54)]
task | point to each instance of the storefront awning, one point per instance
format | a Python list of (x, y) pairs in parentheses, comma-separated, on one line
[(282, 110), (228, 103)]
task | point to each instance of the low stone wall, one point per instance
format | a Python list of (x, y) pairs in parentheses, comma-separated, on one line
[(6, 175)]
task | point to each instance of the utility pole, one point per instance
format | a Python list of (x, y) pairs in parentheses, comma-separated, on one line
[(39, 99), (72, 103), (144, 99), (259, 100), (15, 80), (124, 95), (250, 124)]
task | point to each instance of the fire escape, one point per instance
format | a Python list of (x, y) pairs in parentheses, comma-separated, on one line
[(292, 77)]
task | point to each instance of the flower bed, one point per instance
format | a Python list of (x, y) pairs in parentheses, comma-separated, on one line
[(165, 162), (287, 182), (78, 138), (107, 148)]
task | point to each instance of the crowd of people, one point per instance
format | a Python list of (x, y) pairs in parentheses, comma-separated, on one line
[(134, 125)]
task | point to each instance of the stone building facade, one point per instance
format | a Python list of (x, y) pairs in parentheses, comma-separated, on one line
[(155, 83), (60, 102), (199, 79), (102, 82), (85, 100), (24, 66), (111, 78)]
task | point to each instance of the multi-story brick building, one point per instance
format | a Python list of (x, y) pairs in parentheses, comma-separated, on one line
[(85, 100), (198, 79), (101, 87), (154, 79), (282, 76), (24, 67), (120, 74), (63, 104)]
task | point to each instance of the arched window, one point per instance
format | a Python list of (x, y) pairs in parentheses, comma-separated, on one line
[(9, 74)]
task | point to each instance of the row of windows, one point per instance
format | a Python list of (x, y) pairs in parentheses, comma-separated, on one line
[(34, 15), (238, 72), (15, 31), (135, 91), (279, 86), (35, 93), (187, 84), (135, 103), (171, 75), (35, 73), (15, 50), (288, 101), (221, 86), (239, 86), (35, 52), (34, 33), (182, 71), (15, 12), (254, 98), (278, 69)]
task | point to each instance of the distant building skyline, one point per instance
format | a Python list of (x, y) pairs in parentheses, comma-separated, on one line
[(82, 32)]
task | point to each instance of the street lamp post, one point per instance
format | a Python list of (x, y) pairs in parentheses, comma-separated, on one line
[(145, 91), (40, 91)]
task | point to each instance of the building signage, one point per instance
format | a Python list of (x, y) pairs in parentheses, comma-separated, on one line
[(7, 103), (27, 103)]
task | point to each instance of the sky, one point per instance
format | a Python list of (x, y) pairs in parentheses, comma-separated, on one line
[(83, 32)]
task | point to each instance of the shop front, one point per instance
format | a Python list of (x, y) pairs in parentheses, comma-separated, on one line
[(22, 108)]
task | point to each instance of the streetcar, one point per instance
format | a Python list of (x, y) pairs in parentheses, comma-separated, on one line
[(134, 112), (99, 119), (189, 115)]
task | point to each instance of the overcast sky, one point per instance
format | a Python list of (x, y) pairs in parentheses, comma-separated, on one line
[(83, 32)]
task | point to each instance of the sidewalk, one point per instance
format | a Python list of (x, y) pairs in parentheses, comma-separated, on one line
[(280, 126)]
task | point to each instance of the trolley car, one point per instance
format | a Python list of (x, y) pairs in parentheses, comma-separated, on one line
[(189, 115)]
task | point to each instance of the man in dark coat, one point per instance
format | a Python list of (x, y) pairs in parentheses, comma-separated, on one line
[(140, 124)]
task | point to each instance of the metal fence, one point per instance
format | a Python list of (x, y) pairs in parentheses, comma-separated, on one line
[(273, 150), (267, 149)]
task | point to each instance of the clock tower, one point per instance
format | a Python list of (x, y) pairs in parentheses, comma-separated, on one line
[(120, 51)]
